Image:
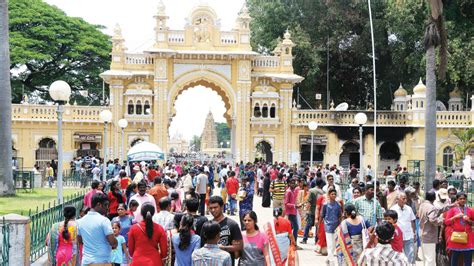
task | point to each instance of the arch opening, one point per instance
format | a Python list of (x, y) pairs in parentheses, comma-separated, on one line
[(264, 152), (389, 155), (350, 155), (46, 152)]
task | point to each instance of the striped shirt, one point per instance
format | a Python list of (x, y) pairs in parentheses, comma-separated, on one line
[(211, 255), (279, 188), (382, 255), (365, 208)]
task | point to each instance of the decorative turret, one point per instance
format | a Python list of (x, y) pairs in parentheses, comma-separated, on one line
[(118, 42), (400, 100), (118, 48), (161, 29), (287, 53), (419, 96), (243, 26), (455, 100), (420, 88), (277, 50)]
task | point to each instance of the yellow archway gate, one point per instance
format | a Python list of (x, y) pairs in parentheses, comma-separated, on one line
[(203, 54)]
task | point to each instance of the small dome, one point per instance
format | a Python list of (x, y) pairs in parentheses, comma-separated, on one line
[(400, 92), (455, 93), (420, 88)]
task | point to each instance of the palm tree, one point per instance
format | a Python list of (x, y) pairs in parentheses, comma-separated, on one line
[(466, 143), (6, 178), (435, 35)]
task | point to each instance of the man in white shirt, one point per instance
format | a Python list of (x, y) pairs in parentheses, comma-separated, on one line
[(188, 181), (406, 222), (330, 179), (201, 189), (164, 218)]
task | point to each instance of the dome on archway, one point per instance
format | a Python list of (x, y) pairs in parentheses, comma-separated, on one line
[(420, 88)]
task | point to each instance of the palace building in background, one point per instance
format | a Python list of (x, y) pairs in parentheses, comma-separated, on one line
[(257, 91)]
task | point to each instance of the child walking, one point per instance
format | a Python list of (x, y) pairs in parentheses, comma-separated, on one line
[(119, 255)]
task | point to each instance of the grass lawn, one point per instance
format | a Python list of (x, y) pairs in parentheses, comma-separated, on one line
[(24, 201)]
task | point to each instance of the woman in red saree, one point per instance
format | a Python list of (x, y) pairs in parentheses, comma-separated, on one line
[(321, 245)]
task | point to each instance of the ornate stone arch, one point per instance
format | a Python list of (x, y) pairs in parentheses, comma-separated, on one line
[(209, 79)]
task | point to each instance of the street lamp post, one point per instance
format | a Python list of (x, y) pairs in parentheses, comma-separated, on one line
[(360, 119), (122, 123), (60, 93), (312, 127), (105, 116)]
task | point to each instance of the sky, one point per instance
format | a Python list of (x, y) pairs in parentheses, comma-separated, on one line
[(137, 23)]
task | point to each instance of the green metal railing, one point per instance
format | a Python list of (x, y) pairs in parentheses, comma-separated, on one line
[(5, 243), (71, 179), (24, 179), (42, 220)]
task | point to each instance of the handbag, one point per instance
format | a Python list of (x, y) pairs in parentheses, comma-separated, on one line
[(459, 237), (365, 234)]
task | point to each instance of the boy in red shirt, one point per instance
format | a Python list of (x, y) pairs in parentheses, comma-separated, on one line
[(391, 216), (232, 185)]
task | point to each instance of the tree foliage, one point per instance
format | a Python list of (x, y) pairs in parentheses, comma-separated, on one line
[(223, 133), (195, 143), (47, 45), (466, 143), (342, 28)]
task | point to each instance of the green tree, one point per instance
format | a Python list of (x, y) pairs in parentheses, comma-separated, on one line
[(6, 179), (466, 143), (47, 45), (342, 28), (195, 143), (223, 134)]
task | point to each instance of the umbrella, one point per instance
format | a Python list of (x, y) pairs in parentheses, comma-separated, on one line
[(145, 151)]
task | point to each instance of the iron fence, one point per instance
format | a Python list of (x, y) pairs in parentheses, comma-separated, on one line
[(5, 243), (24, 179), (42, 220), (72, 178)]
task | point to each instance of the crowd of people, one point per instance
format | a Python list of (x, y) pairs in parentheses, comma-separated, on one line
[(202, 213)]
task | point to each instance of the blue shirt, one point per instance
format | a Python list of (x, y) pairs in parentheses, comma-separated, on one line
[(117, 255), (331, 213), (125, 225), (183, 257), (94, 229)]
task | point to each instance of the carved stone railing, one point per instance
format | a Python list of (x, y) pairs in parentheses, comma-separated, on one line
[(266, 62), (176, 37), (455, 118), (138, 59), (228, 38), (39, 113), (384, 118)]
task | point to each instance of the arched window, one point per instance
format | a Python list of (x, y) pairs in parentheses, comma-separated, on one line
[(139, 107), (130, 107), (448, 158), (256, 110), (147, 108), (273, 111), (421, 104), (401, 107), (265, 110), (416, 104), (47, 143)]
